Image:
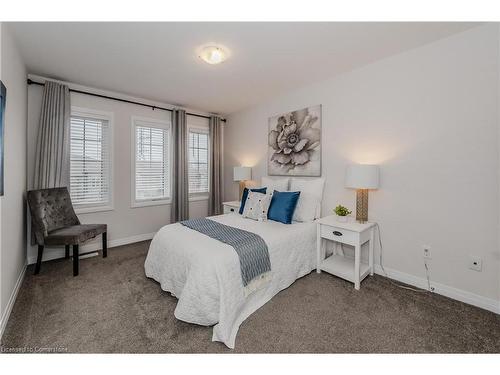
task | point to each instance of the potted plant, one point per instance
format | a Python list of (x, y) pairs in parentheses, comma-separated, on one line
[(342, 213)]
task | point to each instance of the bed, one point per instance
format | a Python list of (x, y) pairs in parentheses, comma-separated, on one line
[(204, 273)]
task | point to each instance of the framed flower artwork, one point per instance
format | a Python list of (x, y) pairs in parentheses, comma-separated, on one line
[(3, 96), (294, 141)]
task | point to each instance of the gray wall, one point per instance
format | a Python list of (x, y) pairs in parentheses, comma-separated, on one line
[(13, 210), (429, 118)]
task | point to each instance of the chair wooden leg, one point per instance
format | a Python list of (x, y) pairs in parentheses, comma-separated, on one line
[(104, 245), (39, 259), (66, 251), (75, 260)]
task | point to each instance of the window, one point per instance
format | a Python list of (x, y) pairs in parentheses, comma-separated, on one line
[(90, 164), (198, 161), (151, 162)]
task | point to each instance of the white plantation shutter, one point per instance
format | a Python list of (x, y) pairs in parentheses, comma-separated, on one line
[(198, 162), (152, 168), (89, 161)]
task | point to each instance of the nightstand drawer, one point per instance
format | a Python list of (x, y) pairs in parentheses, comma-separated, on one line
[(229, 209), (340, 235)]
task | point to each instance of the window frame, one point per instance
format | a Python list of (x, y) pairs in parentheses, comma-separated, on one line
[(158, 124), (193, 197), (98, 115)]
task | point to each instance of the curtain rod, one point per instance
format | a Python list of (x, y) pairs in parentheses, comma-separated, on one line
[(153, 107)]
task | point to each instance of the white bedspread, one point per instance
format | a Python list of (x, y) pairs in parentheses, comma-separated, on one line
[(204, 274)]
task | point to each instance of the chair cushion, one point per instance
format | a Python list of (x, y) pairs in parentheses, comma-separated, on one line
[(75, 234), (51, 209)]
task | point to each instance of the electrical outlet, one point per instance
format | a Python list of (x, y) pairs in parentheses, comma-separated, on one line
[(426, 251), (476, 263)]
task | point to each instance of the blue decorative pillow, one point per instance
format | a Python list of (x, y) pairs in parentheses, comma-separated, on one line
[(283, 206), (245, 195)]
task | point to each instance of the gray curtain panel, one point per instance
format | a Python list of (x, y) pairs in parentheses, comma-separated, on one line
[(216, 183), (179, 209), (52, 147)]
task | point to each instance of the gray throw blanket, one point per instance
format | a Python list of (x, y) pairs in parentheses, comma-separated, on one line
[(251, 248)]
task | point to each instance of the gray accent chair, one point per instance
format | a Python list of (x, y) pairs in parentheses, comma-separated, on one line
[(55, 223)]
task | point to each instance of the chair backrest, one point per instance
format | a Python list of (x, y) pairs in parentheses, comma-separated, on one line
[(50, 209)]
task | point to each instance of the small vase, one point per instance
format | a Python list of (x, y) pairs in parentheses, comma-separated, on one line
[(342, 219)]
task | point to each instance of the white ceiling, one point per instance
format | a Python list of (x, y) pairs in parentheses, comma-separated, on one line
[(158, 61)]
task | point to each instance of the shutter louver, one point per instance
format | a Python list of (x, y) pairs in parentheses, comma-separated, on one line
[(152, 170), (198, 162), (89, 162)]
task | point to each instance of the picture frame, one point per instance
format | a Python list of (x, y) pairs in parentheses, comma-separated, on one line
[(294, 143), (3, 100)]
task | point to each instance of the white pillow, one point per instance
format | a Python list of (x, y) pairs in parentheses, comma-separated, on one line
[(311, 193), (257, 205), (279, 184)]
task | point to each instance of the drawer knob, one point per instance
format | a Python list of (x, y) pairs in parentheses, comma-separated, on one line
[(232, 210), (337, 233)]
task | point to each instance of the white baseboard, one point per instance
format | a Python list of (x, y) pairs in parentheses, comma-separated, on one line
[(445, 290), (57, 253), (10, 304)]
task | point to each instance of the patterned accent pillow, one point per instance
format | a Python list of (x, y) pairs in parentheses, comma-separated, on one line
[(257, 205), (244, 197)]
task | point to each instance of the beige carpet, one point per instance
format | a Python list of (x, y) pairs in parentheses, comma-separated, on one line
[(113, 307)]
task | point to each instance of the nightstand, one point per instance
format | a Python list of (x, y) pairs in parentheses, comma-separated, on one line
[(229, 207), (350, 233)]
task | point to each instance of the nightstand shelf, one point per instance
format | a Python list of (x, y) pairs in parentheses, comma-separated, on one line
[(343, 267)]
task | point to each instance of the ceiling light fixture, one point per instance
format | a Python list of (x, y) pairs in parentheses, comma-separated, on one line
[(213, 54)]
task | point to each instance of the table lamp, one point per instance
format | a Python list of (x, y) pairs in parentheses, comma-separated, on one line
[(242, 174), (362, 177)]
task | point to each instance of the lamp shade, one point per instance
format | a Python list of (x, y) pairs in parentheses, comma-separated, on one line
[(362, 176), (242, 173)]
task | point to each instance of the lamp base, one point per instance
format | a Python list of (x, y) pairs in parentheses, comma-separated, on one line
[(362, 205), (242, 187)]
